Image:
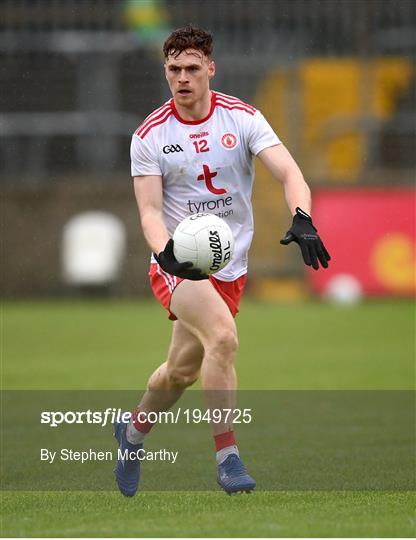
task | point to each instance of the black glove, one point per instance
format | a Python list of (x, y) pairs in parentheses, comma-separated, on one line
[(169, 264), (305, 234)]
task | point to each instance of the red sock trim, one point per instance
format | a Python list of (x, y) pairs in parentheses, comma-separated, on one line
[(224, 439), (143, 427)]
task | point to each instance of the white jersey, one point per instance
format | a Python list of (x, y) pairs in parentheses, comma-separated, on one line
[(206, 166)]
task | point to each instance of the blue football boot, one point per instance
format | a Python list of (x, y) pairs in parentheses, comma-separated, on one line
[(233, 477), (127, 469)]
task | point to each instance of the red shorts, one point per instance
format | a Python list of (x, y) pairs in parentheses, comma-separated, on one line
[(163, 285)]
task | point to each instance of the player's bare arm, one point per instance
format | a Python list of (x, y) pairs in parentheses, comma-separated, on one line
[(283, 167), (149, 197)]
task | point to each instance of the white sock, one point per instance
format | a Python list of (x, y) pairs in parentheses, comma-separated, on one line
[(225, 452), (133, 435)]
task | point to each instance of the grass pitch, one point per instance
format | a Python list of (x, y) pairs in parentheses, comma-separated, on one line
[(262, 514), (115, 345)]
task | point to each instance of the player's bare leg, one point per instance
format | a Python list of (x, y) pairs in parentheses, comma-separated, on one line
[(204, 313), (182, 366), (165, 387), (168, 382)]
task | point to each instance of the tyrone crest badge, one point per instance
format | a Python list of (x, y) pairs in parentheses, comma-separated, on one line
[(229, 141)]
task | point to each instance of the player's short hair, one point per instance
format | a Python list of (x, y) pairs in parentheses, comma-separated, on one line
[(188, 37)]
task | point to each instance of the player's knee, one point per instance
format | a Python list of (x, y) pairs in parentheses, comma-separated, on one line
[(181, 377), (224, 344)]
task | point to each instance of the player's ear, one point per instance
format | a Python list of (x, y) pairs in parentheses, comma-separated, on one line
[(166, 70), (211, 69)]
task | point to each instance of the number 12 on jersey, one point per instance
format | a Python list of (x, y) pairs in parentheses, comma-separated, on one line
[(201, 146)]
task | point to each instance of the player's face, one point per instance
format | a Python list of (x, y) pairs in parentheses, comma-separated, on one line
[(188, 76)]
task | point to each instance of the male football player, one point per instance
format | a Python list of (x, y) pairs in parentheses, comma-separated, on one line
[(195, 153)]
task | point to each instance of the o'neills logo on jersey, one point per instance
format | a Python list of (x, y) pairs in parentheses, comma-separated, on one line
[(199, 135), (229, 141)]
